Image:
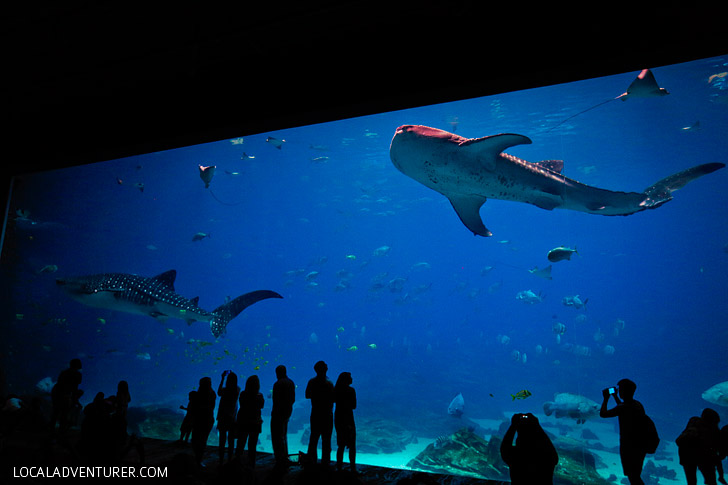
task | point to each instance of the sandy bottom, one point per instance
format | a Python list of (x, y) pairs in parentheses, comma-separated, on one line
[(604, 429)]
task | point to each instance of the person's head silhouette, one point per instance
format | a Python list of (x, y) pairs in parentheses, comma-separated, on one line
[(320, 367), (627, 389)]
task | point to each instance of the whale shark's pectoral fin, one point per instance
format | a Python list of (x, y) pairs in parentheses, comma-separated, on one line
[(488, 148), (661, 192), (468, 209)]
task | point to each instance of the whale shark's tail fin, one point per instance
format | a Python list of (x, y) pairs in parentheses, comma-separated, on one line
[(661, 192), (224, 313)]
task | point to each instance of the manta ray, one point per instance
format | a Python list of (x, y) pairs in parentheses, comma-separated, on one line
[(155, 297), (644, 86), (470, 170)]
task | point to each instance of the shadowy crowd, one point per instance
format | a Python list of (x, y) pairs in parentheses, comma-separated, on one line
[(526, 448), (239, 420)]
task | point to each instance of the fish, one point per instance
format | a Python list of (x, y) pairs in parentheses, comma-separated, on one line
[(457, 406), (382, 251), (353, 348), (524, 394), (644, 86), (155, 297), (574, 301), (48, 268), (199, 236), (469, 170), (275, 142), (45, 385), (544, 273), (529, 297), (717, 394), (206, 174), (567, 405), (560, 254)]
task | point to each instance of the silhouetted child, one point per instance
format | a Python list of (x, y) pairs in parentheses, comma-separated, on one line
[(226, 412), (249, 418), (203, 418), (123, 398), (186, 427), (533, 458), (345, 397), (320, 390), (630, 413)]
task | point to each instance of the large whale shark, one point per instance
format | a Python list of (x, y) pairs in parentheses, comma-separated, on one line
[(469, 170), (155, 297)]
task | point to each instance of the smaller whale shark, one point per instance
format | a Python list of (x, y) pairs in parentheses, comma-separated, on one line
[(155, 297)]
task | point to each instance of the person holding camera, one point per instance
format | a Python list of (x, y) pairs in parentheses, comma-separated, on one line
[(226, 412), (630, 413), (533, 458)]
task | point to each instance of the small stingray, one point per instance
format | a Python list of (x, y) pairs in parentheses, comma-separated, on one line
[(644, 86)]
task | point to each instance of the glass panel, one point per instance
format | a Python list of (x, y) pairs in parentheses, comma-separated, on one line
[(379, 276)]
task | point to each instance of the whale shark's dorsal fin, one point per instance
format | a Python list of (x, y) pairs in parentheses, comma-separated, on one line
[(488, 148), (468, 209), (167, 278)]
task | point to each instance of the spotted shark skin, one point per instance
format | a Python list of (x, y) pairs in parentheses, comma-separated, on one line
[(468, 171), (155, 297)]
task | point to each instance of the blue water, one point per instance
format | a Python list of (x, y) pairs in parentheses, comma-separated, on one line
[(330, 197)]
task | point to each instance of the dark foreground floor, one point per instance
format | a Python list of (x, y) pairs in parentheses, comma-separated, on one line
[(22, 455)]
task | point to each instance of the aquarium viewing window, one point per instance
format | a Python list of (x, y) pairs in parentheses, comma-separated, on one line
[(368, 243)]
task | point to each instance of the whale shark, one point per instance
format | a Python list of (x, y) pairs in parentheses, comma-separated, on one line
[(155, 297), (468, 171)]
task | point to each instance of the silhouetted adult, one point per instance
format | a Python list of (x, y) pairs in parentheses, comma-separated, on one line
[(186, 427), (722, 451), (320, 390), (630, 413), (94, 428), (226, 412), (698, 447), (345, 397), (65, 395), (250, 421), (533, 458), (203, 418), (284, 395)]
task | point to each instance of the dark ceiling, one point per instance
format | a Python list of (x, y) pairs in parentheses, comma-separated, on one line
[(93, 80)]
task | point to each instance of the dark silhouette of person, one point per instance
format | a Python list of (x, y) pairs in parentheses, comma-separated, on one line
[(186, 427), (94, 428), (533, 458), (699, 447), (722, 452), (123, 398), (64, 397), (226, 412), (284, 395), (250, 421), (345, 398), (630, 414), (320, 390), (203, 418)]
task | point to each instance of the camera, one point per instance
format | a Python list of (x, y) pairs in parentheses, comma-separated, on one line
[(612, 390)]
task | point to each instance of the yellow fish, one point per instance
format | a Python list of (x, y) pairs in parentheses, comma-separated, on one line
[(521, 394), (373, 346)]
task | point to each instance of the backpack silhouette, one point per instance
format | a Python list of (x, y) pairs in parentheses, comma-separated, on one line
[(650, 438)]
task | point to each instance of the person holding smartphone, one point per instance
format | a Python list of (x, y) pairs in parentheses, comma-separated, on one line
[(533, 458), (630, 412)]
